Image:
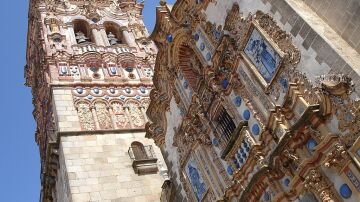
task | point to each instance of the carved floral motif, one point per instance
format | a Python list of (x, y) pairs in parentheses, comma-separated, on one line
[(121, 119), (103, 115), (135, 113), (85, 116), (315, 182)]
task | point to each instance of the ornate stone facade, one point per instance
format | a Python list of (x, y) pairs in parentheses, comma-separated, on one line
[(90, 66), (244, 110)]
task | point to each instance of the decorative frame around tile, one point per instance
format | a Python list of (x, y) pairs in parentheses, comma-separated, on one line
[(247, 60), (192, 156)]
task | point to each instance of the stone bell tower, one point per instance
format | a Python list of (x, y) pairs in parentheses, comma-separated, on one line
[(90, 66)]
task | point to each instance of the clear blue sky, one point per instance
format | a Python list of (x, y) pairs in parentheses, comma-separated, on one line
[(19, 159)]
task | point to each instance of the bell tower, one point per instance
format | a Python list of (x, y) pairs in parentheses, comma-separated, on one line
[(90, 67)]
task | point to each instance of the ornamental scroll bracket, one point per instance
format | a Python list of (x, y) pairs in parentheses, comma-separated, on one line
[(337, 158), (315, 181)]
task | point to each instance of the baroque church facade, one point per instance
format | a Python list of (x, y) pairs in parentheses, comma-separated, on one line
[(258, 100), (90, 66)]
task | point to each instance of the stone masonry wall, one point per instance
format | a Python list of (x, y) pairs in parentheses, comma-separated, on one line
[(66, 114), (342, 15), (323, 51), (99, 169)]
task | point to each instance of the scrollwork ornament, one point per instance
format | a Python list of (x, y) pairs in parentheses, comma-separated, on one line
[(336, 158), (85, 116), (315, 182), (103, 115)]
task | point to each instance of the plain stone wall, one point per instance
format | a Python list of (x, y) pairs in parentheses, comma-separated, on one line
[(62, 181), (171, 154), (66, 115), (342, 15), (99, 168)]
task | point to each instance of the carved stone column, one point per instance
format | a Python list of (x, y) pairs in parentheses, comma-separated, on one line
[(93, 111), (126, 109), (129, 39), (96, 36), (142, 108), (103, 34), (113, 118), (71, 34)]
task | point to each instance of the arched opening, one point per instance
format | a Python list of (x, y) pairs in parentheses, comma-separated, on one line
[(138, 151), (113, 33), (82, 31), (189, 65)]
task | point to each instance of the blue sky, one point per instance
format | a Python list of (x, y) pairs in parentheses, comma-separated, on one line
[(19, 159)]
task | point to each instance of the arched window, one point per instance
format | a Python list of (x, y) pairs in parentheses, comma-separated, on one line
[(82, 31), (189, 65), (113, 33), (139, 151)]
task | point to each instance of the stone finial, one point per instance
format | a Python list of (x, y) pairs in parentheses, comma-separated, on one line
[(162, 2)]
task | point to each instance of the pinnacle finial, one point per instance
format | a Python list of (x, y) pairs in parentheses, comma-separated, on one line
[(162, 2)]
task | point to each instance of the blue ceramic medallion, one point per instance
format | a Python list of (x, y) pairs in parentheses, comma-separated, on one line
[(246, 115), (128, 90), (112, 90), (230, 170), (286, 182), (138, 97), (202, 46), (169, 38), (113, 70), (208, 57), (129, 69), (122, 97), (255, 129), (345, 191), (142, 89), (215, 142), (79, 90), (311, 144), (237, 101), (266, 196), (63, 70), (196, 37), (225, 84), (284, 83), (186, 85), (96, 90)]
